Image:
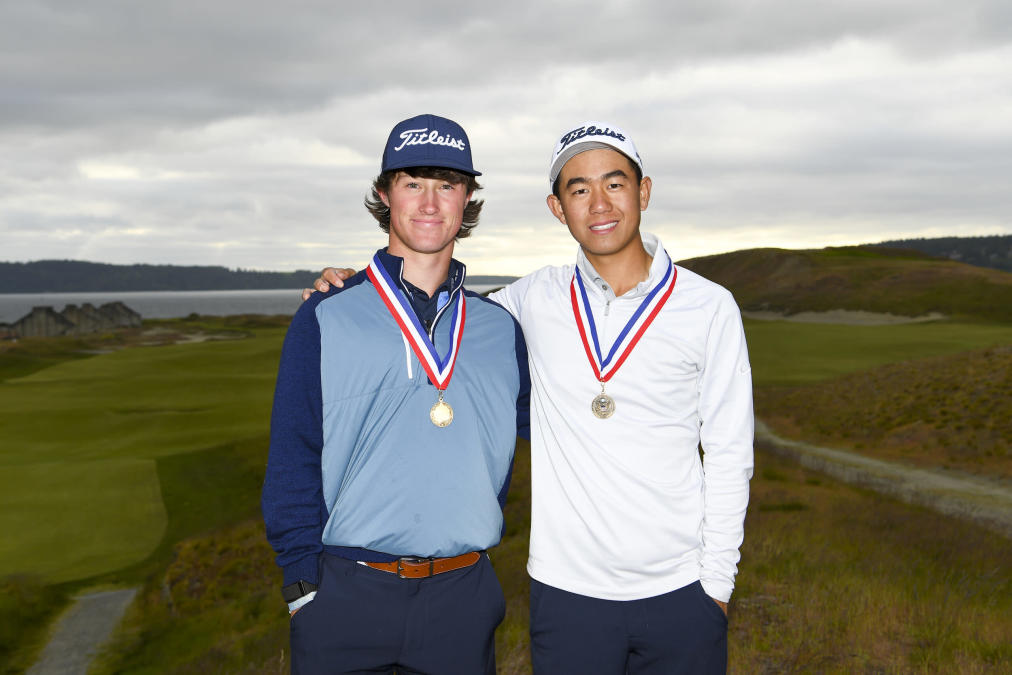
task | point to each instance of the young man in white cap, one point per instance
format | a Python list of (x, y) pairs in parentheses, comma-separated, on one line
[(636, 363), (398, 402)]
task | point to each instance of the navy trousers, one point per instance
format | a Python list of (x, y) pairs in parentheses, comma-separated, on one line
[(368, 621), (683, 631)]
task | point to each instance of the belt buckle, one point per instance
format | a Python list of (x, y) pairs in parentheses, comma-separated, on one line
[(415, 561)]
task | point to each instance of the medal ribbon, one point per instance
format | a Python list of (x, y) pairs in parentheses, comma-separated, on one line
[(439, 370), (605, 368)]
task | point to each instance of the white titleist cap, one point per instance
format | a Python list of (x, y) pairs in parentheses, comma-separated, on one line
[(591, 136)]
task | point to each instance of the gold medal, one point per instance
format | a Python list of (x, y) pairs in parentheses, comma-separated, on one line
[(441, 414), (603, 406), (438, 368)]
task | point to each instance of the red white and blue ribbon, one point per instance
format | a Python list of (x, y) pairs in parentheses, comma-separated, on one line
[(439, 369), (606, 366)]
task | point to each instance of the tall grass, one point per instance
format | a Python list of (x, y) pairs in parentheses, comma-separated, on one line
[(832, 579), (953, 411), (839, 580)]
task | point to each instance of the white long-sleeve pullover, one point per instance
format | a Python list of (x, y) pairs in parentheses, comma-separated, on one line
[(622, 508)]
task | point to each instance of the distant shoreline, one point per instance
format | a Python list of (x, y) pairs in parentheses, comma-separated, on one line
[(75, 276), (173, 304)]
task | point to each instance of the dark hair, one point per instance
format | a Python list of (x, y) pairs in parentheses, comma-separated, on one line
[(635, 166), (381, 212)]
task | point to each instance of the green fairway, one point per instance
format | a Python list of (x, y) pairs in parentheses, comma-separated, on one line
[(141, 402), (79, 487), (68, 520), (783, 352)]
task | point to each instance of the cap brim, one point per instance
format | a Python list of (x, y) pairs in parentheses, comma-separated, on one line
[(434, 162), (573, 151)]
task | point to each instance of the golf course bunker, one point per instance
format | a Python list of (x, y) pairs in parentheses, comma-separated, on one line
[(845, 316)]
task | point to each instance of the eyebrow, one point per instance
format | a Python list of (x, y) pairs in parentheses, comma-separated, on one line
[(611, 174)]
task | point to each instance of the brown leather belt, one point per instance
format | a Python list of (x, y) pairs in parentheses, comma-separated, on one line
[(419, 568)]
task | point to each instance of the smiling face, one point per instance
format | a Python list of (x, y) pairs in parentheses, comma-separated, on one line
[(425, 214), (600, 202)]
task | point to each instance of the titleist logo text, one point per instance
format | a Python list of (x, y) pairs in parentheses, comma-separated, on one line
[(426, 137), (583, 132)]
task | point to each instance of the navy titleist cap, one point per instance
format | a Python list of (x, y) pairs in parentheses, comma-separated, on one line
[(428, 140)]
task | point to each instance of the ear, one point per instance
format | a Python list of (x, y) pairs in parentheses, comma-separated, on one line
[(645, 185), (383, 198), (555, 206)]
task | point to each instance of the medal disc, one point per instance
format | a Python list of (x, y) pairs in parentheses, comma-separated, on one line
[(603, 406), (441, 413)]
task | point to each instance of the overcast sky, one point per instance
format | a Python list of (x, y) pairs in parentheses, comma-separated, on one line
[(246, 133)]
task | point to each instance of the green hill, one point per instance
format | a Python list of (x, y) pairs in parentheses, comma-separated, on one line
[(901, 282), (950, 410)]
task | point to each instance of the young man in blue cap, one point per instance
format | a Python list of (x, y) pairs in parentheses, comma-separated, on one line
[(636, 363), (398, 402)]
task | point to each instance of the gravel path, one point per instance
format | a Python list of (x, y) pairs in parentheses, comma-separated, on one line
[(845, 316), (988, 502), (81, 631)]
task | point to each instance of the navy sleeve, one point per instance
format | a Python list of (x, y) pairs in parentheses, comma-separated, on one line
[(292, 500), (524, 397), (523, 406)]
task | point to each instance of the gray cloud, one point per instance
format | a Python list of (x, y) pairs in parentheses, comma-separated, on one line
[(246, 133)]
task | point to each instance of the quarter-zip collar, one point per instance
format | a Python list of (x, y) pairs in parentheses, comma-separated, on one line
[(658, 268), (427, 309)]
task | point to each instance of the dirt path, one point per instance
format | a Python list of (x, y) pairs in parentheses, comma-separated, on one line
[(845, 316), (988, 502), (81, 631)]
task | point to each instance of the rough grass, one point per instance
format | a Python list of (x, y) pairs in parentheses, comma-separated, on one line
[(214, 608), (786, 353), (834, 579), (27, 604), (952, 411)]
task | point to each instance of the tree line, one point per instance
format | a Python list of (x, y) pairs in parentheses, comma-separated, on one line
[(76, 276), (988, 251)]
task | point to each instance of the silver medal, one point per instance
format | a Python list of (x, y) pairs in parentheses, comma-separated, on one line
[(603, 406)]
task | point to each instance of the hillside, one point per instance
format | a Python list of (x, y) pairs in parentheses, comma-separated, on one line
[(77, 276), (951, 410), (990, 251), (901, 282)]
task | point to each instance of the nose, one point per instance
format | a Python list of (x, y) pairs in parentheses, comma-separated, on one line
[(599, 202), (429, 203)]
